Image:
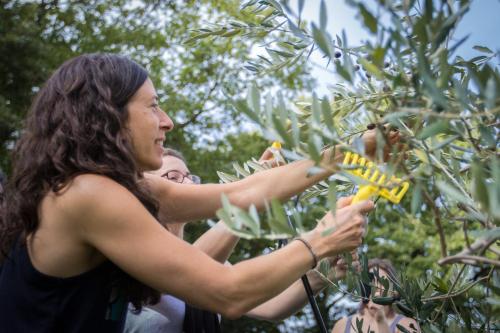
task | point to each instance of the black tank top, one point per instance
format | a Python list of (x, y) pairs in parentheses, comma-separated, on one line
[(31, 301), (200, 321)]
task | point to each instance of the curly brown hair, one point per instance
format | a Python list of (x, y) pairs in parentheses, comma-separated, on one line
[(76, 125)]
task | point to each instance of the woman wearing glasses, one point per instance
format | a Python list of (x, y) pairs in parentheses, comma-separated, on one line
[(173, 315)]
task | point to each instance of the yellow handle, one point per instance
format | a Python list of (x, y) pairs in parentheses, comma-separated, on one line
[(276, 145), (365, 192)]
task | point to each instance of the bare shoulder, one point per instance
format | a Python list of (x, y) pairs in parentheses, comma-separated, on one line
[(88, 189), (86, 184), (410, 324), (68, 216), (89, 195)]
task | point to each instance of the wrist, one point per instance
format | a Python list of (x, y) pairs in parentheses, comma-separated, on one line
[(316, 280), (317, 243), (314, 257)]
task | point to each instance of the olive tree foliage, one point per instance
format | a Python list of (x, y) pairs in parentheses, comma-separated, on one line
[(192, 80), (408, 77)]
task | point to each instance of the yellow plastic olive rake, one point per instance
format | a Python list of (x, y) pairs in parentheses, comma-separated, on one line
[(392, 189)]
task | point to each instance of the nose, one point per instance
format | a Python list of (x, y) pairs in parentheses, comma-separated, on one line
[(166, 122)]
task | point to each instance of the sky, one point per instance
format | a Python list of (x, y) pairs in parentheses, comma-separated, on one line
[(482, 23)]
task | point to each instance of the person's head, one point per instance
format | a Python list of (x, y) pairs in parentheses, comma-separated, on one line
[(147, 125), (97, 113), (383, 268), (175, 169), (380, 269), (96, 108)]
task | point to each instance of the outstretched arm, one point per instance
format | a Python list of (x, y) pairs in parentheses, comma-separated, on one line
[(109, 219), (288, 302), (218, 242), (177, 200), (295, 298)]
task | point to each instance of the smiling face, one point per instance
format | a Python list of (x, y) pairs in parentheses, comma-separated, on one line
[(147, 125)]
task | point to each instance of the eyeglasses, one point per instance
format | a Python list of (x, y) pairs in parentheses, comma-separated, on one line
[(178, 177)]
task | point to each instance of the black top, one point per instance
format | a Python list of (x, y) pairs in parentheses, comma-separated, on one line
[(31, 301), (200, 321)]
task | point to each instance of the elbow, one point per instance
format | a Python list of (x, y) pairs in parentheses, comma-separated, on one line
[(234, 301), (233, 309), (232, 313)]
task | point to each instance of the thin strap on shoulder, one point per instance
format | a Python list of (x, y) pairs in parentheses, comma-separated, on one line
[(395, 322), (348, 325)]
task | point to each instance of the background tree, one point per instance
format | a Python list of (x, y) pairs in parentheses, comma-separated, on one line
[(192, 80), (410, 78)]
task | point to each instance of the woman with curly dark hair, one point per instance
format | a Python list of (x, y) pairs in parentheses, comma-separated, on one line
[(79, 231)]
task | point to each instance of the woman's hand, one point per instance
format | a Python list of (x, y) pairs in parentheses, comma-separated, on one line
[(344, 231), (338, 266), (338, 270), (271, 157), (391, 138)]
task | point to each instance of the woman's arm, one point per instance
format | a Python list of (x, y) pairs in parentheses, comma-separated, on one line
[(177, 200), (288, 302), (218, 242), (112, 221), (295, 298)]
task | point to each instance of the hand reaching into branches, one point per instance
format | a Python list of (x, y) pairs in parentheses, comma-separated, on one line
[(389, 138)]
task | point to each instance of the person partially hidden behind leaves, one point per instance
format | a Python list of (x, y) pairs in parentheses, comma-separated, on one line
[(374, 317)]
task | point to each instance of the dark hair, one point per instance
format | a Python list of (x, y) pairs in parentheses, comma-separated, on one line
[(384, 265), (2, 181), (76, 125)]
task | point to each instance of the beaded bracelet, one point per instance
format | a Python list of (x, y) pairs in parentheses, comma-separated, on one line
[(309, 247)]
